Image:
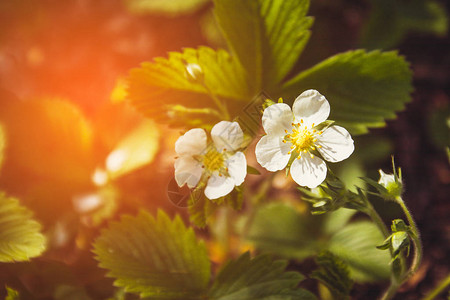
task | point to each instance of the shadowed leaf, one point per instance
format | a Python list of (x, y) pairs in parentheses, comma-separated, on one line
[(154, 257)]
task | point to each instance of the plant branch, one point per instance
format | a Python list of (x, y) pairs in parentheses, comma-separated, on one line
[(223, 109)]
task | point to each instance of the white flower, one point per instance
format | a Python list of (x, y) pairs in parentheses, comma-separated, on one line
[(220, 162), (295, 134)]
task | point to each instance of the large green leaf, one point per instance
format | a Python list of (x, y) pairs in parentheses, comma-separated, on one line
[(156, 87), (279, 228), (267, 36), (364, 89), (20, 235), (356, 245), (257, 278), (154, 257)]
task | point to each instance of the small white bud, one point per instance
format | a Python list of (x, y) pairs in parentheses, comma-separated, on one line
[(194, 73), (391, 184)]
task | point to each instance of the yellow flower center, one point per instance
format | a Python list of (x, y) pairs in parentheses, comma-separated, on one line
[(302, 139), (213, 160)]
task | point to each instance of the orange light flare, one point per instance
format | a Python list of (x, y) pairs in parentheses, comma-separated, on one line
[(74, 51)]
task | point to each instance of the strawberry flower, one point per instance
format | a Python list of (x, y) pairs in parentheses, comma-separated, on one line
[(296, 136), (219, 163)]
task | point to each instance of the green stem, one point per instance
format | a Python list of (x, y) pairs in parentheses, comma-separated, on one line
[(395, 282), (439, 289), (223, 109), (415, 236), (373, 214)]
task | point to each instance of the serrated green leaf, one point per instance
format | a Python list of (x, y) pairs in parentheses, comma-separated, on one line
[(364, 89), (356, 245), (158, 85), (155, 257), (257, 278), (334, 273), (170, 8), (20, 235), (390, 21), (267, 36)]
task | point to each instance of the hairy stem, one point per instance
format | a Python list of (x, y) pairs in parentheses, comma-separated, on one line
[(415, 237)]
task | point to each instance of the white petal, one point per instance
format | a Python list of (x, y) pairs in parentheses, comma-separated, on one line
[(218, 186), (337, 144), (187, 170), (277, 118), (237, 167), (386, 179), (272, 153), (227, 135), (311, 107), (193, 142), (308, 171)]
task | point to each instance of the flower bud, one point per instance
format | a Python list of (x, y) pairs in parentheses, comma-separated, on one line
[(391, 183), (194, 73)]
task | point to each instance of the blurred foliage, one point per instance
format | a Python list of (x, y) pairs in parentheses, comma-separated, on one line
[(201, 209), (439, 126), (50, 138), (170, 8), (334, 273), (392, 20), (356, 245), (154, 257), (20, 235), (279, 228), (135, 150), (257, 278), (12, 294)]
